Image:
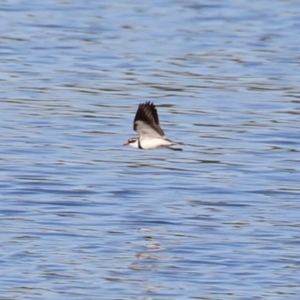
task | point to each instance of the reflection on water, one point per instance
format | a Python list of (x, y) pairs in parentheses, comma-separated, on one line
[(82, 216)]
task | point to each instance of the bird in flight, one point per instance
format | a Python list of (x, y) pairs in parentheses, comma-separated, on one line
[(146, 124)]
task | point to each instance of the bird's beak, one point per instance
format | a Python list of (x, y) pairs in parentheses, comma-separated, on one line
[(126, 144)]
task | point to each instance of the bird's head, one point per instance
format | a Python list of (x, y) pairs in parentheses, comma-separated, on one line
[(133, 142)]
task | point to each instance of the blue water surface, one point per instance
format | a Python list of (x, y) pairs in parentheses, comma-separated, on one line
[(83, 217)]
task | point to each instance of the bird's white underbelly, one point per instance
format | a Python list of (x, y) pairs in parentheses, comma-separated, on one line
[(153, 143)]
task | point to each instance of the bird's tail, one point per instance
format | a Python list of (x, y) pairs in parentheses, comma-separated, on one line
[(172, 144)]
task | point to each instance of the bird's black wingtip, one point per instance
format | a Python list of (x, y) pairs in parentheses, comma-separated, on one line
[(147, 103), (175, 149)]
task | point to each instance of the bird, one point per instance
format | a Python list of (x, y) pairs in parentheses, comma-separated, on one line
[(146, 124)]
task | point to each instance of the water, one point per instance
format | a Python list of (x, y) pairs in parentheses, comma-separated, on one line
[(83, 217)]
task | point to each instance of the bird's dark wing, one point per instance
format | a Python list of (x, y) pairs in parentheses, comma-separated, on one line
[(146, 121), (147, 112)]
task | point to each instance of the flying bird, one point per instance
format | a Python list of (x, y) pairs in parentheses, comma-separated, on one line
[(146, 124)]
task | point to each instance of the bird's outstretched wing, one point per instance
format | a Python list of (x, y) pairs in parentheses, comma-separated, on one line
[(146, 122)]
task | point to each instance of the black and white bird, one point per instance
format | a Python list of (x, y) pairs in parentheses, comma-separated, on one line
[(146, 124)]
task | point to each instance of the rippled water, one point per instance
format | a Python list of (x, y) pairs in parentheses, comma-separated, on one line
[(83, 217)]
